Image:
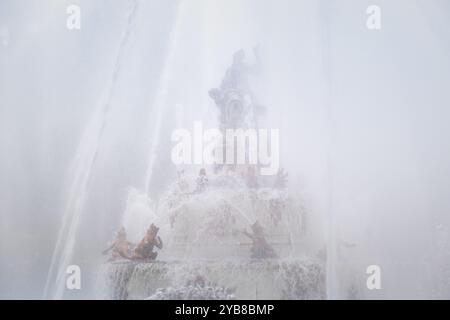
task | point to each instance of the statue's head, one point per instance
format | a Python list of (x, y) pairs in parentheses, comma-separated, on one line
[(214, 93), (202, 172), (239, 56), (256, 227), (122, 233), (152, 231)]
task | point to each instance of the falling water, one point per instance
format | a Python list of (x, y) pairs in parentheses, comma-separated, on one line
[(162, 93), (81, 175), (324, 15)]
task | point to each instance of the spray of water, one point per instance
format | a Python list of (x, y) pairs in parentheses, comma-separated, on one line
[(81, 175), (162, 93)]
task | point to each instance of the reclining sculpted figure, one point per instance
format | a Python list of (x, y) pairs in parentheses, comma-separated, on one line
[(144, 250), (260, 247), (120, 246)]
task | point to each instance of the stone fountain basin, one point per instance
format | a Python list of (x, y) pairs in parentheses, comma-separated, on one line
[(299, 278)]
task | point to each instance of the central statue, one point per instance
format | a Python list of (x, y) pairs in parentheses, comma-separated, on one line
[(237, 104), (234, 98)]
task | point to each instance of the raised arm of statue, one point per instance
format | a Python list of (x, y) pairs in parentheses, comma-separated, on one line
[(248, 234), (256, 67), (159, 243), (109, 248)]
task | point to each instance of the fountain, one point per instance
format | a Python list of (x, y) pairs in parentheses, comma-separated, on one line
[(228, 234)]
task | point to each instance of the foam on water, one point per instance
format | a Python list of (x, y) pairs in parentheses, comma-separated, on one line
[(301, 278)]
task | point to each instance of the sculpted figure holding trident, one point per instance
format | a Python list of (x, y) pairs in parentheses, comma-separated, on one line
[(234, 98), (237, 104)]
